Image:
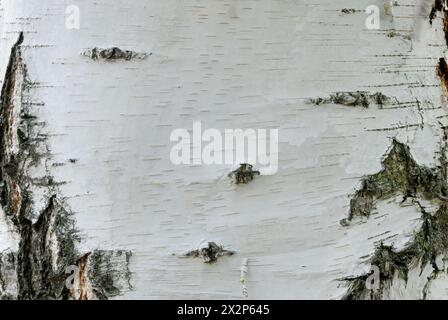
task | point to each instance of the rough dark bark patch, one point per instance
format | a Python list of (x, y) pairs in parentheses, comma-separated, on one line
[(442, 71), (8, 275), (113, 54), (210, 253), (440, 6), (402, 174), (244, 173), (48, 246), (109, 272), (353, 99), (429, 242), (437, 7), (348, 10)]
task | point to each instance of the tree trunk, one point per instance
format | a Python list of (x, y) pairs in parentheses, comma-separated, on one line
[(95, 208)]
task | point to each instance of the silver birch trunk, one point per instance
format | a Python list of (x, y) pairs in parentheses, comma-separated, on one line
[(94, 208)]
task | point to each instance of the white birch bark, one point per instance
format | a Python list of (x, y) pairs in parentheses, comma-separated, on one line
[(105, 128)]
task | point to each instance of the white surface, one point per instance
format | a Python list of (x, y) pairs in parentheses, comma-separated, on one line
[(231, 64)]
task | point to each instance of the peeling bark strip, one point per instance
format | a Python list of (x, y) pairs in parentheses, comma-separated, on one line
[(400, 174), (46, 247), (353, 99), (113, 53)]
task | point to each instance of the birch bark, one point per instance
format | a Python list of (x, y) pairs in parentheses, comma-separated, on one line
[(86, 164)]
